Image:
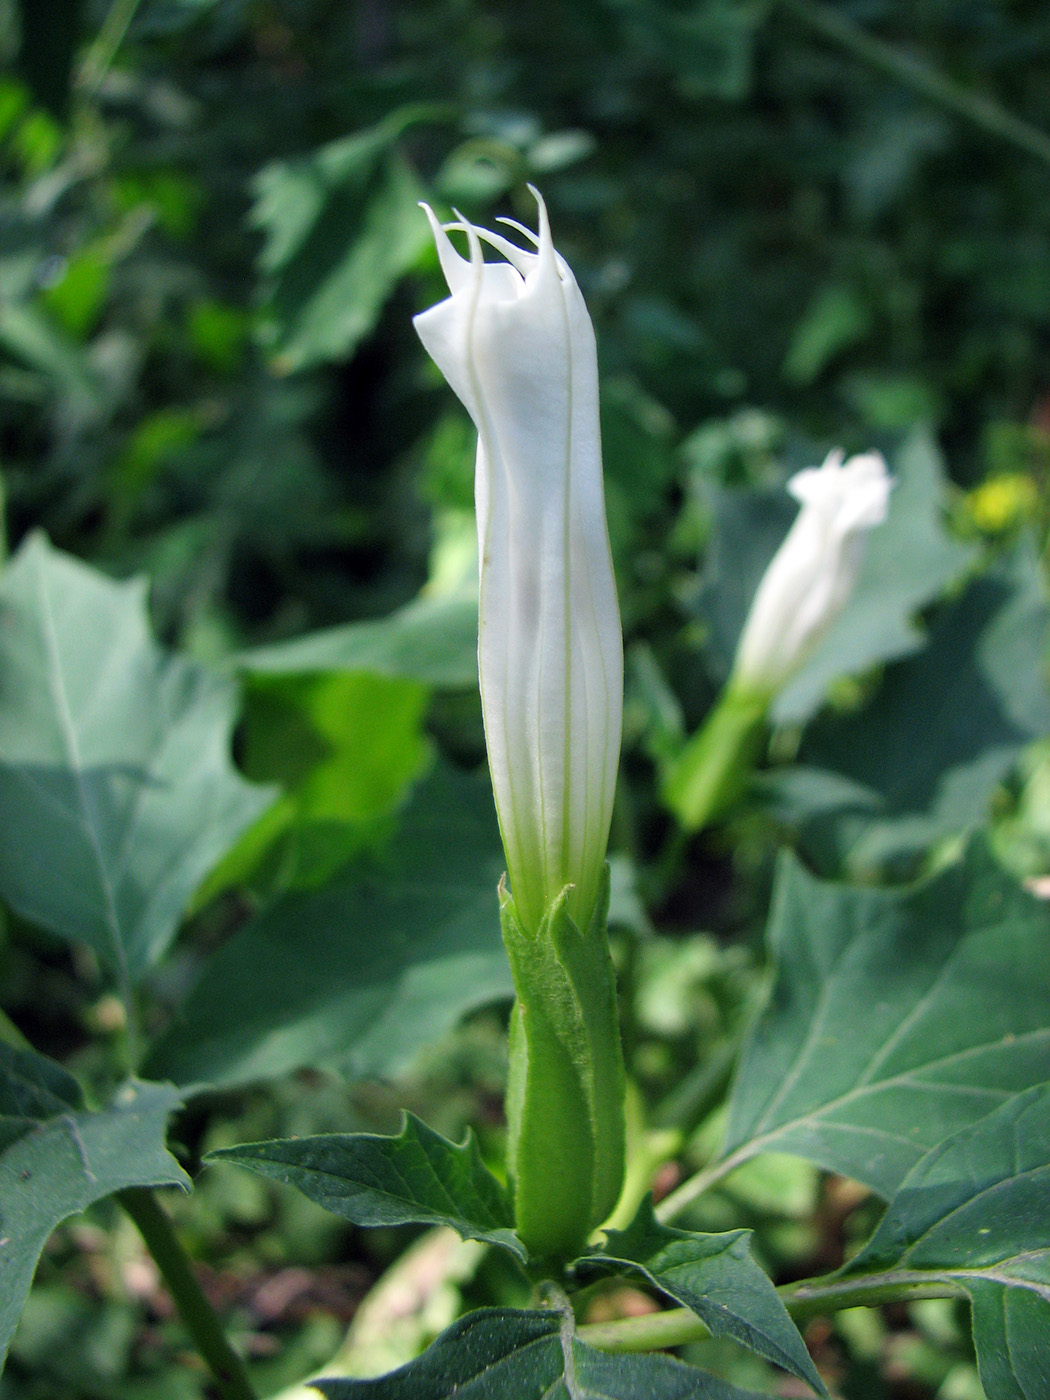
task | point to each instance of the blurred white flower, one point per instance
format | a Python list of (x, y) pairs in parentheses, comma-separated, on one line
[(812, 574), (515, 342)]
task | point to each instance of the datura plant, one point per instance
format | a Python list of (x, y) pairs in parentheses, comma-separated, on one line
[(803, 591), (515, 342), (904, 1043)]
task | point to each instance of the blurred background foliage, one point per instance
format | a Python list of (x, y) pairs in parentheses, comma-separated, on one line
[(797, 225)]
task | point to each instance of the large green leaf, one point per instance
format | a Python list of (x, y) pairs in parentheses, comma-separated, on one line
[(345, 749), (364, 972), (946, 726), (117, 794), (415, 1178), (716, 1276), (342, 225), (896, 1018), (976, 1212), (431, 639), (56, 1159), (496, 1353)]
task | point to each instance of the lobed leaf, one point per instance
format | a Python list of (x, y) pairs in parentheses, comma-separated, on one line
[(896, 1018), (56, 1159), (715, 1276), (976, 1212), (415, 1178)]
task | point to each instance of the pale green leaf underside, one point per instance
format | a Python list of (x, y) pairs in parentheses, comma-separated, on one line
[(434, 640)]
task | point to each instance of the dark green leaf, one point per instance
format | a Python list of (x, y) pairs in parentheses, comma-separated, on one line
[(896, 1018), (715, 1276), (117, 794), (976, 1211), (363, 973), (496, 1353), (416, 1178), (434, 640), (56, 1159), (342, 226), (945, 728)]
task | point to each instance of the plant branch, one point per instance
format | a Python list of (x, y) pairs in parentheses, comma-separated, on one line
[(196, 1312), (107, 44), (810, 1298), (980, 111)]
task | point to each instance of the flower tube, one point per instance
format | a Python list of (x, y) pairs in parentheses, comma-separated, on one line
[(515, 342), (812, 574)]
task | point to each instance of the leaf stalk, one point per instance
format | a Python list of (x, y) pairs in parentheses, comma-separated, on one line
[(197, 1313)]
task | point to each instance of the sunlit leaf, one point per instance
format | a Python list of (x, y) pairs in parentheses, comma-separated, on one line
[(117, 793)]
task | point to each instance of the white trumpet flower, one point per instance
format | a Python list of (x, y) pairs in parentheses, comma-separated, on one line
[(813, 573), (515, 342)]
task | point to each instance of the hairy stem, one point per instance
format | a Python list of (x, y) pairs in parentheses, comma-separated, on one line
[(196, 1312), (973, 107)]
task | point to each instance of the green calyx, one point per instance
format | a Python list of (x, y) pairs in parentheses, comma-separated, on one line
[(565, 1096)]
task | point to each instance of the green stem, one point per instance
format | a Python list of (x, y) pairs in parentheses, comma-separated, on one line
[(713, 769), (814, 1297), (197, 1313), (911, 72), (107, 44)]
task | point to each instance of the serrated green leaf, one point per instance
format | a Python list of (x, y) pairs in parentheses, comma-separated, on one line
[(415, 1178), (715, 1276), (56, 1159), (363, 973), (924, 758), (117, 793), (976, 1212), (496, 1353), (434, 640), (896, 1018)]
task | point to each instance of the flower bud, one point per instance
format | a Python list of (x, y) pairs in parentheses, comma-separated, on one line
[(812, 574), (515, 342)]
